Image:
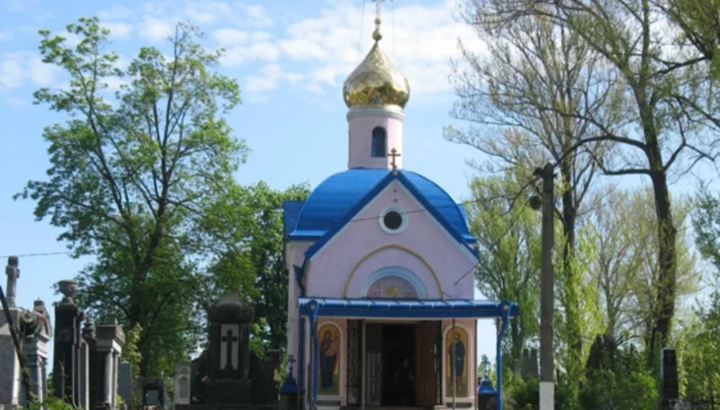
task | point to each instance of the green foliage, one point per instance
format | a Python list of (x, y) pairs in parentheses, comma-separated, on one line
[(51, 403), (509, 247), (250, 259), (133, 174)]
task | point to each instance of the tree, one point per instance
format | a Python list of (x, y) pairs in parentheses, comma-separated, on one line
[(509, 246), (129, 180), (667, 104), (250, 223), (504, 93), (618, 262)]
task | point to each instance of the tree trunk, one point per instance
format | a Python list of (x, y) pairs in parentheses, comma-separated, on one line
[(667, 269)]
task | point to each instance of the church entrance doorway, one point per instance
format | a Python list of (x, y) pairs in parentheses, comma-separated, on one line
[(398, 384), (402, 367)]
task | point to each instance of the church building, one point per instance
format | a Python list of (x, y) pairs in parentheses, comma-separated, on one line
[(381, 262)]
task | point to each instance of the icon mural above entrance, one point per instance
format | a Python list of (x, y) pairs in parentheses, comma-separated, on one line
[(392, 287)]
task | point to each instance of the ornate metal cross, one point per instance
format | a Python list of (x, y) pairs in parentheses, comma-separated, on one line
[(394, 154), (229, 339)]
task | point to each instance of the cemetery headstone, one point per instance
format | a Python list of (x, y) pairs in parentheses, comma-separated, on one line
[(669, 392), (110, 340), (36, 331), (183, 374), (125, 383), (229, 352), (68, 317), (154, 395)]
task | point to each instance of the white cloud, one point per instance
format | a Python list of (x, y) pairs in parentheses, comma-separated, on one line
[(5, 35), (155, 29), (208, 12), (115, 12), (272, 76), (19, 68), (421, 44), (238, 55), (258, 15), (118, 29), (228, 36)]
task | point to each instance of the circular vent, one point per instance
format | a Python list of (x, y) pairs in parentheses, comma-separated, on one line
[(393, 220)]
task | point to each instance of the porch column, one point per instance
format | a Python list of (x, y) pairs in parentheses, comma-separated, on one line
[(315, 354), (504, 320)]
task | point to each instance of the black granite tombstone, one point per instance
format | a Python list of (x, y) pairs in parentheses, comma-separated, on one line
[(669, 392), (229, 352), (154, 395)]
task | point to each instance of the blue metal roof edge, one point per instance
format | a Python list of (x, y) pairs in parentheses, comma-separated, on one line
[(437, 215), (384, 182), (436, 308), (291, 211), (359, 205)]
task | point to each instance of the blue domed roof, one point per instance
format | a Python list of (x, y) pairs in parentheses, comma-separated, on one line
[(330, 204)]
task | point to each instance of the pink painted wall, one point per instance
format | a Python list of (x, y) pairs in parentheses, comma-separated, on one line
[(295, 252), (360, 135), (330, 268)]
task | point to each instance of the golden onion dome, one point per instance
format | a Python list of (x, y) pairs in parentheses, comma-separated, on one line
[(376, 81)]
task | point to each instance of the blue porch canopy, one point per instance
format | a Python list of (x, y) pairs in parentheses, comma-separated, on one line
[(406, 308), (316, 307)]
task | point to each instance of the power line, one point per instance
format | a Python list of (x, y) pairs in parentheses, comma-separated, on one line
[(29, 255), (326, 225)]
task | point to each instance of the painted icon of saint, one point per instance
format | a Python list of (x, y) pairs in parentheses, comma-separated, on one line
[(459, 361), (328, 361)]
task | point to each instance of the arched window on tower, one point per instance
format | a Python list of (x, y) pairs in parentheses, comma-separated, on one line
[(378, 142)]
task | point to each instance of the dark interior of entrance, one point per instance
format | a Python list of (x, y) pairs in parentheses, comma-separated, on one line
[(398, 357), (403, 364)]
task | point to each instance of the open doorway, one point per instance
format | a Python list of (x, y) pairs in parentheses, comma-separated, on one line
[(398, 381)]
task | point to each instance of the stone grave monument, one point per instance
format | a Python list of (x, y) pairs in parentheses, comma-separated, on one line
[(9, 362), (36, 330), (229, 352), (125, 384), (110, 340), (33, 330), (66, 369), (183, 376), (227, 376)]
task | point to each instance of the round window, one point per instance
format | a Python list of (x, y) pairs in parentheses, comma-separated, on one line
[(393, 219)]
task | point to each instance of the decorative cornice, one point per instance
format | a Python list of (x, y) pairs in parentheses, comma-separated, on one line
[(390, 111)]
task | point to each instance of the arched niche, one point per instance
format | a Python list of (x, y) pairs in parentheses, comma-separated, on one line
[(394, 282)]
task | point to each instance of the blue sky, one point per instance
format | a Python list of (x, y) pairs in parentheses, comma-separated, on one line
[(290, 58)]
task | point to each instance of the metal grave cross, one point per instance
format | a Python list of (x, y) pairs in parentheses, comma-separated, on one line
[(394, 154), (229, 339)]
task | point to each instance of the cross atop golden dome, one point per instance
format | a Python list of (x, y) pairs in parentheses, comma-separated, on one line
[(376, 82)]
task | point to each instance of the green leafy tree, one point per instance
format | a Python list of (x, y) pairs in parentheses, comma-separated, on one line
[(131, 176), (668, 104), (250, 222), (503, 94), (509, 246)]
